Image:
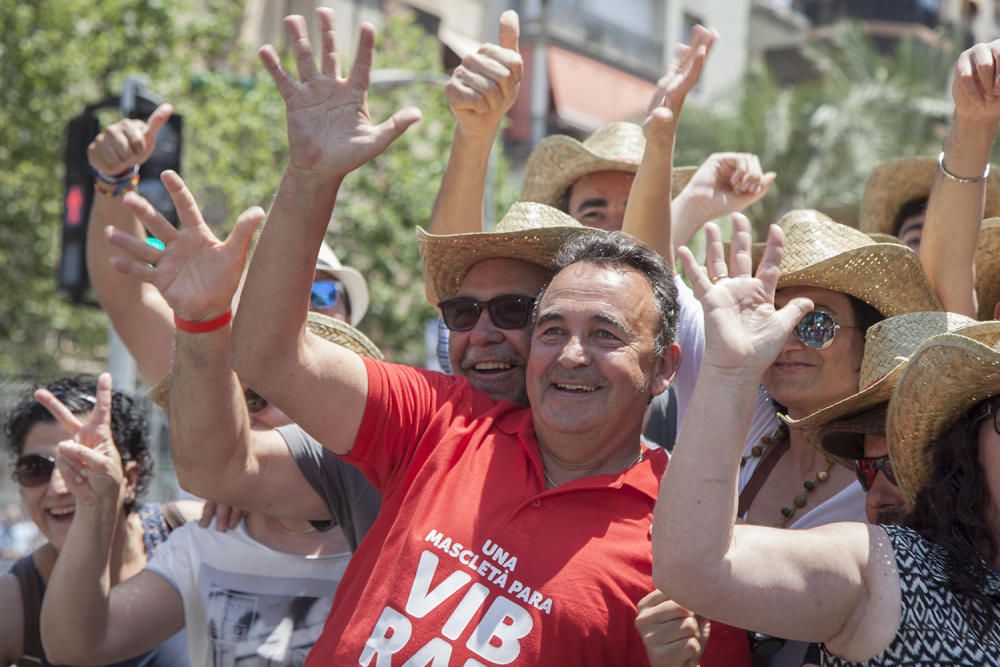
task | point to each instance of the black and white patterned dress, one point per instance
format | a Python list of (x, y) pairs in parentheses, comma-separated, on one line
[(934, 629)]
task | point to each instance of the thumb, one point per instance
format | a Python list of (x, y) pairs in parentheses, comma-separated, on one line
[(791, 313), (510, 30), (239, 238), (390, 130), (158, 119)]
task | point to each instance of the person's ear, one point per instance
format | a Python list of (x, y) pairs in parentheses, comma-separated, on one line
[(665, 369), (131, 480)]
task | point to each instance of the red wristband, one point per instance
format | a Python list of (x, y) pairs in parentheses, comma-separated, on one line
[(206, 326)]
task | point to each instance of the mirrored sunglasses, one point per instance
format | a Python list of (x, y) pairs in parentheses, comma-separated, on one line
[(818, 329), (325, 293), (868, 468), (33, 470), (507, 311)]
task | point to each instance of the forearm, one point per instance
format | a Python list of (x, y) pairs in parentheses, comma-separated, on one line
[(209, 424), (270, 321), (686, 217), (697, 503), (137, 311), (954, 215), (75, 610), (459, 204), (647, 213)]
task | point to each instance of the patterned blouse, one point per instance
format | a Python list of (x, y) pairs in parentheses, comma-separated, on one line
[(934, 629)]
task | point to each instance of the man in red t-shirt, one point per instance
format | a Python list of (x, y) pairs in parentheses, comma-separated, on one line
[(507, 535)]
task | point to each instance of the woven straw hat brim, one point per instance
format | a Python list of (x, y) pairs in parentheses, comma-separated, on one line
[(945, 378), (559, 161), (894, 183), (988, 267), (325, 327), (448, 258), (885, 275)]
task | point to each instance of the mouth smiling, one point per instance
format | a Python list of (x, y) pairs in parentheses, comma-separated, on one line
[(575, 387), (61, 513), (492, 367)]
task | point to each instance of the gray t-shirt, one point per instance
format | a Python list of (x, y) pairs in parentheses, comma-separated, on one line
[(352, 501)]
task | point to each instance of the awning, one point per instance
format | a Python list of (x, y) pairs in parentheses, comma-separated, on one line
[(588, 94)]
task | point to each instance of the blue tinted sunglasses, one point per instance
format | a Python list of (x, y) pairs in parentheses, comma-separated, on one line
[(325, 293)]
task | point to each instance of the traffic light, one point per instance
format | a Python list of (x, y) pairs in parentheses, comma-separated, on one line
[(78, 200)]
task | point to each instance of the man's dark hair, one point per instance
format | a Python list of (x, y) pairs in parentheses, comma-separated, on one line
[(911, 208), (620, 250), (79, 394), (953, 510)]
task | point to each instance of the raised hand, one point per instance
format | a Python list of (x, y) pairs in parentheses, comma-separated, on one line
[(744, 333), (485, 86), (976, 84), (727, 183), (127, 143), (329, 128), (684, 71), (89, 463), (196, 273)]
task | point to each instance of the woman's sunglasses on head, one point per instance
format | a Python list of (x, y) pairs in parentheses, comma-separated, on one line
[(507, 311)]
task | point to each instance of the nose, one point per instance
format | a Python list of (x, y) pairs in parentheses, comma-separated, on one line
[(792, 342), (485, 332), (57, 484), (574, 353), (883, 496)]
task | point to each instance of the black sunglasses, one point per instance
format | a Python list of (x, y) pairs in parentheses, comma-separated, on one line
[(33, 470), (507, 311), (867, 469), (818, 329), (986, 411)]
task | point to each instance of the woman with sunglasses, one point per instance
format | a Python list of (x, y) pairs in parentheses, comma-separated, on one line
[(926, 593), (33, 435), (784, 480)]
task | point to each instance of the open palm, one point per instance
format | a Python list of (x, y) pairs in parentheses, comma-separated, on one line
[(744, 332), (330, 130), (196, 273)]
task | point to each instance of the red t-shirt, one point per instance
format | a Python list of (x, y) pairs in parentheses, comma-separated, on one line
[(471, 561)]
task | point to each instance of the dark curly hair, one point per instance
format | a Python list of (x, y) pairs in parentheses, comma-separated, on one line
[(128, 423), (951, 512)]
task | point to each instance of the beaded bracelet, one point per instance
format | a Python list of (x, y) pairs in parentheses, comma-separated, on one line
[(116, 186), (961, 179)]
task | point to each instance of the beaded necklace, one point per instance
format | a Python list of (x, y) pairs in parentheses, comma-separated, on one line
[(802, 499)]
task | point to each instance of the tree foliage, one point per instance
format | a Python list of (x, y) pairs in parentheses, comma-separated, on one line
[(58, 56), (823, 137)]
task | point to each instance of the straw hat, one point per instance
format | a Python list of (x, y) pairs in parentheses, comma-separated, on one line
[(888, 345), (988, 267), (894, 183), (560, 160), (325, 327), (945, 378), (528, 231), (820, 252)]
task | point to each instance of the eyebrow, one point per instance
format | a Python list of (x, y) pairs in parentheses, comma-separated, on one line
[(598, 202), (604, 318)]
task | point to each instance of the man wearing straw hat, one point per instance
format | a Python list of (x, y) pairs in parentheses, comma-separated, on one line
[(961, 250), (507, 535)]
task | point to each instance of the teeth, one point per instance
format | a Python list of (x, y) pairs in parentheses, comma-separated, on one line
[(581, 388), (62, 512), (492, 366)]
